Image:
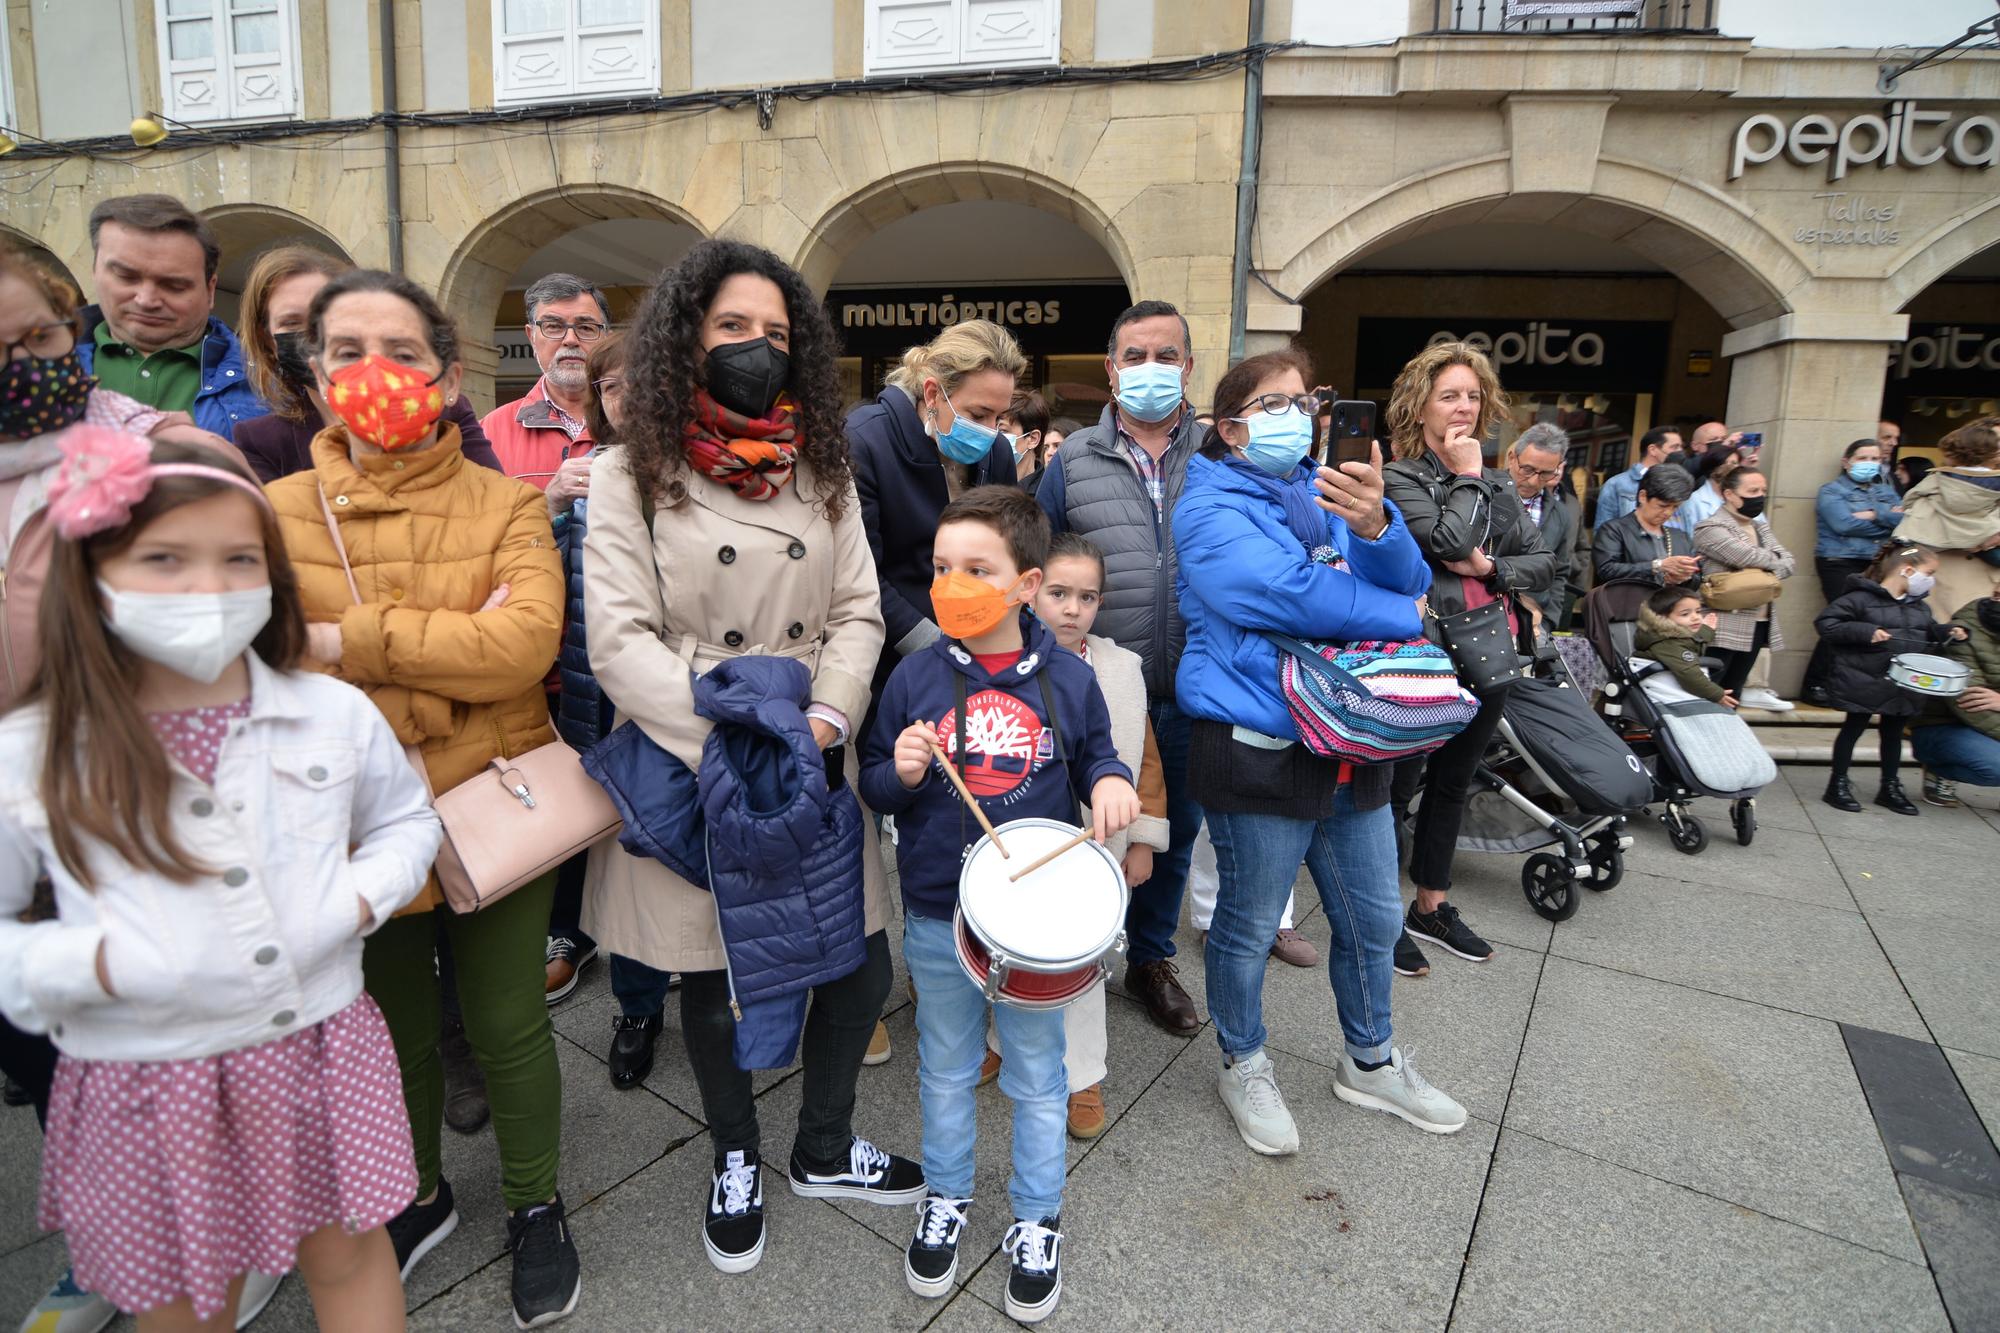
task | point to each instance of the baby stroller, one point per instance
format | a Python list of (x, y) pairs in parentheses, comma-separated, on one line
[(1555, 777), (1695, 748)]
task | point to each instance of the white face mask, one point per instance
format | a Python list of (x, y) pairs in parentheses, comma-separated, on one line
[(197, 634), (1920, 583)]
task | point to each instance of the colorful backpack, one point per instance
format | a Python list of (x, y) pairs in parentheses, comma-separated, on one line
[(1372, 702)]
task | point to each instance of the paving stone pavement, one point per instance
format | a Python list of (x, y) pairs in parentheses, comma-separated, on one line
[(1667, 1130)]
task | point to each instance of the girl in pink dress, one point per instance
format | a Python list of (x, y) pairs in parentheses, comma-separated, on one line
[(216, 832)]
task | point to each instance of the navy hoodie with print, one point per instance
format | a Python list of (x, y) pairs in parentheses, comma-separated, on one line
[(1013, 770)]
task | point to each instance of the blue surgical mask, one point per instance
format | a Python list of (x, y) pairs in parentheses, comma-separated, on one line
[(966, 441), (1151, 391), (1864, 472), (1278, 441)]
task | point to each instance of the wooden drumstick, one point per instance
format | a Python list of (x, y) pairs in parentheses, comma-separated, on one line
[(966, 792), (1071, 845)]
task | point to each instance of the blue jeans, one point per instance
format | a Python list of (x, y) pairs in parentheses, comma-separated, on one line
[(1154, 913), (640, 987), (1958, 753), (1352, 857), (951, 1044)]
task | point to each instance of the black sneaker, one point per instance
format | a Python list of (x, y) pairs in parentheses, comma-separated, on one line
[(547, 1277), (422, 1227), (632, 1048), (1034, 1278), (930, 1265), (1410, 960), (869, 1175), (733, 1230), (1941, 792), (16, 1095), (465, 1108), (1448, 930)]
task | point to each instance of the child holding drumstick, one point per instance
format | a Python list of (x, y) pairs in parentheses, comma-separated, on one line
[(1036, 740)]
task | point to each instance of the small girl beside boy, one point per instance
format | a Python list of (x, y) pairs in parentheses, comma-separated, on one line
[(219, 830)]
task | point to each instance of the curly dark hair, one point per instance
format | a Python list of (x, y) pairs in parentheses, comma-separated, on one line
[(663, 369)]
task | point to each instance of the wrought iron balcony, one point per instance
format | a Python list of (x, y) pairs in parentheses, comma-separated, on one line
[(1561, 17)]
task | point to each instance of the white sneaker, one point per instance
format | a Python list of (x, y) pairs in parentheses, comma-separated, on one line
[(68, 1308), (1249, 1089), (1765, 700), (1400, 1090), (258, 1289)]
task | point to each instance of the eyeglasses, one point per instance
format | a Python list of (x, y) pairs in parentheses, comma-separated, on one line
[(45, 341), (605, 386), (1276, 403), (586, 330), (1542, 473)]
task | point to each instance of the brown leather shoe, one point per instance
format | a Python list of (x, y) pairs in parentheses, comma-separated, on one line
[(1159, 987), (1086, 1112), (989, 1068)]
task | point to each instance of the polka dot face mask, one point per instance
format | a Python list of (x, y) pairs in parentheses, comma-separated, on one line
[(387, 405), (41, 394)]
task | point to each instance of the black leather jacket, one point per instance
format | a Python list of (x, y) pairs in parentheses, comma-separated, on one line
[(1451, 516)]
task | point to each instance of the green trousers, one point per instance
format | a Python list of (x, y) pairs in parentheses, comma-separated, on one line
[(501, 953)]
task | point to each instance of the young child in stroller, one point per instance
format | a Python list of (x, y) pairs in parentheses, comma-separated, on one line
[(1674, 630)]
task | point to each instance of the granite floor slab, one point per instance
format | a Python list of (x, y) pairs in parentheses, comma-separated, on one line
[(1810, 960), (1950, 975), (1746, 1103), (1925, 877), (1779, 863), (1567, 1240), (1979, 1075)]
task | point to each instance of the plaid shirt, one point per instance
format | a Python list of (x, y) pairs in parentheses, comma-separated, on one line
[(1151, 469)]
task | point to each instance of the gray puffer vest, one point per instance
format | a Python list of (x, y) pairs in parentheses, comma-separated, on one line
[(1105, 500)]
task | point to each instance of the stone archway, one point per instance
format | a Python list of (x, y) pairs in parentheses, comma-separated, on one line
[(40, 253), (1944, 250), (245, 231)]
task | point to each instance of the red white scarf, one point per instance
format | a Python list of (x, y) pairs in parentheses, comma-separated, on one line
[(752, 458)]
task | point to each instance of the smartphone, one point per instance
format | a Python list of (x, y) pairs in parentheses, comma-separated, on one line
[(1751, 440), (1351, 437)]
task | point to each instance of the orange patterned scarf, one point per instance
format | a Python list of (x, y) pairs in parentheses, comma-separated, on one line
[(752, 458)]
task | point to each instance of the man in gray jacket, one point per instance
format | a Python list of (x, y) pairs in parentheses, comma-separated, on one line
[(1535, 461), (1116, 483)]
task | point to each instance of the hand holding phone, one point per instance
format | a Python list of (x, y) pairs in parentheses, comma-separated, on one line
[(1351, 432)]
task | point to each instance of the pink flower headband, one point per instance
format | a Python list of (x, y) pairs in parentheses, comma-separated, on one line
[(104, 472)]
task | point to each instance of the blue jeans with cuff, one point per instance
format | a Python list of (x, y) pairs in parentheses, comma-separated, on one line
[(1351, 855), (1958, 753), (951, 1044)]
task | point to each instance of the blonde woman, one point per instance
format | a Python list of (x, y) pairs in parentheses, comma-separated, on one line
[(930, 435), (1481, 547)]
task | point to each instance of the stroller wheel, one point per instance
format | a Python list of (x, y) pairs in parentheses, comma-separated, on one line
[(1607, 863), (1545, 879), (1743, 814), (1688, 834)]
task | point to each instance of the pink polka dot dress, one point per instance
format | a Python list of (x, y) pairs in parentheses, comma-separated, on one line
[(173, 1176)]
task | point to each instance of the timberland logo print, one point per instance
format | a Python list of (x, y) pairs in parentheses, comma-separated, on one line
[(1006, 745)]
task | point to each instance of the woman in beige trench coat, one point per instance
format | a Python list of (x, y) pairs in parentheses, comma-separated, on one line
[(730, 425)]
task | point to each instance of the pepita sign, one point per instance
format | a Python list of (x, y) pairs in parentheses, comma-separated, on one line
[(1907, 137)]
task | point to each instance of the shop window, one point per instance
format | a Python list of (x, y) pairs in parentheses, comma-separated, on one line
[(224, 60), (556, 50), (909, 36)]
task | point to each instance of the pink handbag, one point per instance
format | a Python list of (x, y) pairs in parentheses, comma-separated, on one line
[(516, 819)]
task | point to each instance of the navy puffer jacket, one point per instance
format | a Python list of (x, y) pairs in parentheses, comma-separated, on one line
[(583, 715)]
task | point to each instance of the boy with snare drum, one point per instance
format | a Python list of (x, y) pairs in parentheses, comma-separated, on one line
[(1026, 729)]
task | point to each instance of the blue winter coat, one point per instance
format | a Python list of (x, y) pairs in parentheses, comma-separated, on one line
[(1841, 535), (225, 397), (583, 714), (1245, 573)]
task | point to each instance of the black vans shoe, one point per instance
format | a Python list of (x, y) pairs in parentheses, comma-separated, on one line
[(1034, 1277), (733, 1230), (869, 1175), (930, 1265), (548, 1279), (422, 1227), (1447, 929)]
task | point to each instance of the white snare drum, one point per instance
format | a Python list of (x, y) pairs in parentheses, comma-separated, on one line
[(1921, 673), (1046, 940)]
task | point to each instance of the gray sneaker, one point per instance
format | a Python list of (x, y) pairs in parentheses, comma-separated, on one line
[(1250, 1090), (1399, 1089)]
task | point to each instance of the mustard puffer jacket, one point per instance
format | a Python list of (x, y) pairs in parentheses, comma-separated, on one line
[(430, 537)]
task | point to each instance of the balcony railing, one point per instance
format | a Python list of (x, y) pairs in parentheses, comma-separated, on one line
[(1573, 16)]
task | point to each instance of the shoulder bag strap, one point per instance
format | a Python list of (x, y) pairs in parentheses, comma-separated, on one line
[(1055, 731), (339, 546), (958, 755)]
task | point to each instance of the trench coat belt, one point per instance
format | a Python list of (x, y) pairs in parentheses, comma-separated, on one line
[(704, 656)]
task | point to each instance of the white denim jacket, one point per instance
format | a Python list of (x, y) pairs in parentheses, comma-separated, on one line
[(269, 944)]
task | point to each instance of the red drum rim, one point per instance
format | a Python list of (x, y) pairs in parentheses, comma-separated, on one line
[(1021, 984)]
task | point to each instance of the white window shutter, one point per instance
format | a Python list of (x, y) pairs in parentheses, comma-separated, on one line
[(225, 60), (549, 50), (260, 53), (913, 35), (1008, 32), (615, 57), (195, 77)]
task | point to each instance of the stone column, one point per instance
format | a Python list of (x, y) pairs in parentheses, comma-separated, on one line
[(1811, 383)]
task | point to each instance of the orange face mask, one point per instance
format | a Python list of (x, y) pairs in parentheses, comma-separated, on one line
[(389, 406), (966, 607)]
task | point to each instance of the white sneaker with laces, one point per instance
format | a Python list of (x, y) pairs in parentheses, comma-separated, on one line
[(1400, 1090), (68, 1308), (1249, 1089), (258, 1289), (1765, 700)]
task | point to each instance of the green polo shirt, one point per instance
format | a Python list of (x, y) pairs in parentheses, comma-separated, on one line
[(168, 379)]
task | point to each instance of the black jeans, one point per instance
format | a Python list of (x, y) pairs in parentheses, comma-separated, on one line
[(1736, 662), (1889, 732), (1446, 775), (566, 912), (839, 1022), (1833, 574), (29, 1058)]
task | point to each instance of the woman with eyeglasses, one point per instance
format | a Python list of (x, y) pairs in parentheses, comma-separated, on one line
[(1482, 547), (436, 588), (272, 323), (1258, 528)]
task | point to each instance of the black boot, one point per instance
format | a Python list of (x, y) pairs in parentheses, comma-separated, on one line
[(1891, 796), (465, 1107), (1840, 795)]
